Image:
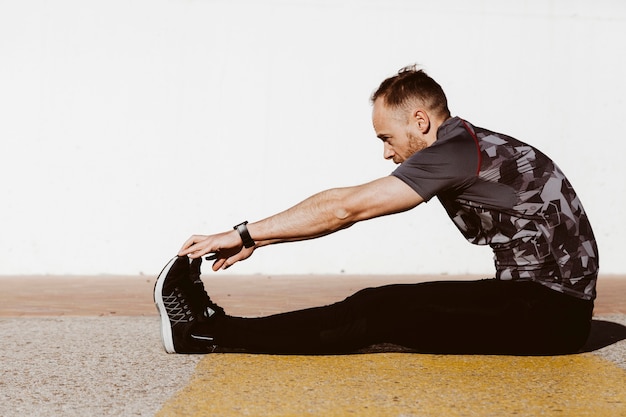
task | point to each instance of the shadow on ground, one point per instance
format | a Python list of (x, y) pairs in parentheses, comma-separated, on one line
[(604, 333)]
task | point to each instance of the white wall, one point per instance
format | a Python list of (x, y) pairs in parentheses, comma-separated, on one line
[(126, 126)]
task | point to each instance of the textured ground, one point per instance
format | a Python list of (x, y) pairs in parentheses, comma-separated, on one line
[(82, 346)]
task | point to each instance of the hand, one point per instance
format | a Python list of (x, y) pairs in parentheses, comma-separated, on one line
[(227, 247)]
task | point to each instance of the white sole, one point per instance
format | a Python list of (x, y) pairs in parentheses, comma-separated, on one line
[(166, 329)]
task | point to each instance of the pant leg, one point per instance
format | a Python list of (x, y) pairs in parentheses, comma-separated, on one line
[(498, 317), (487, 316)]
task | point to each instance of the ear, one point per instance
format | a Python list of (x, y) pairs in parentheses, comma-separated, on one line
[(422, 120)]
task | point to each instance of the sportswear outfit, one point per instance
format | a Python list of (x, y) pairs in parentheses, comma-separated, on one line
[(499, 192)]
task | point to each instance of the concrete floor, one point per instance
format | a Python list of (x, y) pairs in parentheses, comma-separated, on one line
[(83, 346)]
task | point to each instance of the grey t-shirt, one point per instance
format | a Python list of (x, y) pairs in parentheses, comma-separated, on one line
[(507, 194)]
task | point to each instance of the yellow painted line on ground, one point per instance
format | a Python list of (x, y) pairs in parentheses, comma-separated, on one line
[(402, 384)]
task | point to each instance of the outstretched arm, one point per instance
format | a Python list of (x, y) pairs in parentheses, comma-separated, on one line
[(318, 215)]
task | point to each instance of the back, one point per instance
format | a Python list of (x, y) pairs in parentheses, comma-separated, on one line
[(504, 193)]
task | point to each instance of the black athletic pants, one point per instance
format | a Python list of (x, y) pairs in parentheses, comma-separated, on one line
[(486, 316)]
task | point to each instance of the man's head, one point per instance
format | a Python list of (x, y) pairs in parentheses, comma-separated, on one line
[(408, 109)]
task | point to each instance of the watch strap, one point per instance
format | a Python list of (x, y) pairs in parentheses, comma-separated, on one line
[(247, 240)]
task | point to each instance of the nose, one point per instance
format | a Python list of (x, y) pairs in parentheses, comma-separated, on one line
[(388, 152)]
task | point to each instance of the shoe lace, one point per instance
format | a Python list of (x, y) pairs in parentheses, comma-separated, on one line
[(177, 308)]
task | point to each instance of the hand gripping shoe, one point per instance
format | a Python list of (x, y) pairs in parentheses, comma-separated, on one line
[(185, 309)]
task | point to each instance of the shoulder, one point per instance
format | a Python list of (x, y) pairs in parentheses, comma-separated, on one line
[(453, 161), (455, 150)]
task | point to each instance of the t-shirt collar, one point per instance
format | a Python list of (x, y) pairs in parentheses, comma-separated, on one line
[(447, 128)]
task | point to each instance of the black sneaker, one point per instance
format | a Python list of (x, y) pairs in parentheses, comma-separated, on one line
[(184, 308), (202, 305)]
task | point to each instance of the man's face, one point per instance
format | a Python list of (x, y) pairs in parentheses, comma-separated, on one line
[(398, 131)]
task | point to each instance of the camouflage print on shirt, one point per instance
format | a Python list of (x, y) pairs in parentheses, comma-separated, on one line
[(507, 194)]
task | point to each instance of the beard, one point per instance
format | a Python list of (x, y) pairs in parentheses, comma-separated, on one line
[(415, 144)]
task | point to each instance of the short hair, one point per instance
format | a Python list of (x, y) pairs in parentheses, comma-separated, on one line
[(410, 83)]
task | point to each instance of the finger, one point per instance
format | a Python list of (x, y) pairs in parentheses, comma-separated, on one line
[(189, 243), (198, 250), (184, 249), (239, 256), (228, 263), (194, 251), (218, 264)]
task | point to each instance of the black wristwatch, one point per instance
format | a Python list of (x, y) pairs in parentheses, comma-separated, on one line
[(247, 240)]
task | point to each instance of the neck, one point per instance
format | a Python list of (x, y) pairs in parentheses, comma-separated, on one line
[(431, 136)]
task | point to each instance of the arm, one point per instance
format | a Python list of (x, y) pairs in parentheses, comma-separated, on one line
[(318, 215)]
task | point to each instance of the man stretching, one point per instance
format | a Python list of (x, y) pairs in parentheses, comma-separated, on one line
[(497, 190)]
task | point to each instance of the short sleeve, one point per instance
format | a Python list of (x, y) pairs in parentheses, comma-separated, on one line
[(443, 166)]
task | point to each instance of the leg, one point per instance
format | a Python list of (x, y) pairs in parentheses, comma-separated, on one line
[(488, 316)]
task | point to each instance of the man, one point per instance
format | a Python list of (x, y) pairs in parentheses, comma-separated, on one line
[(497, 190)]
